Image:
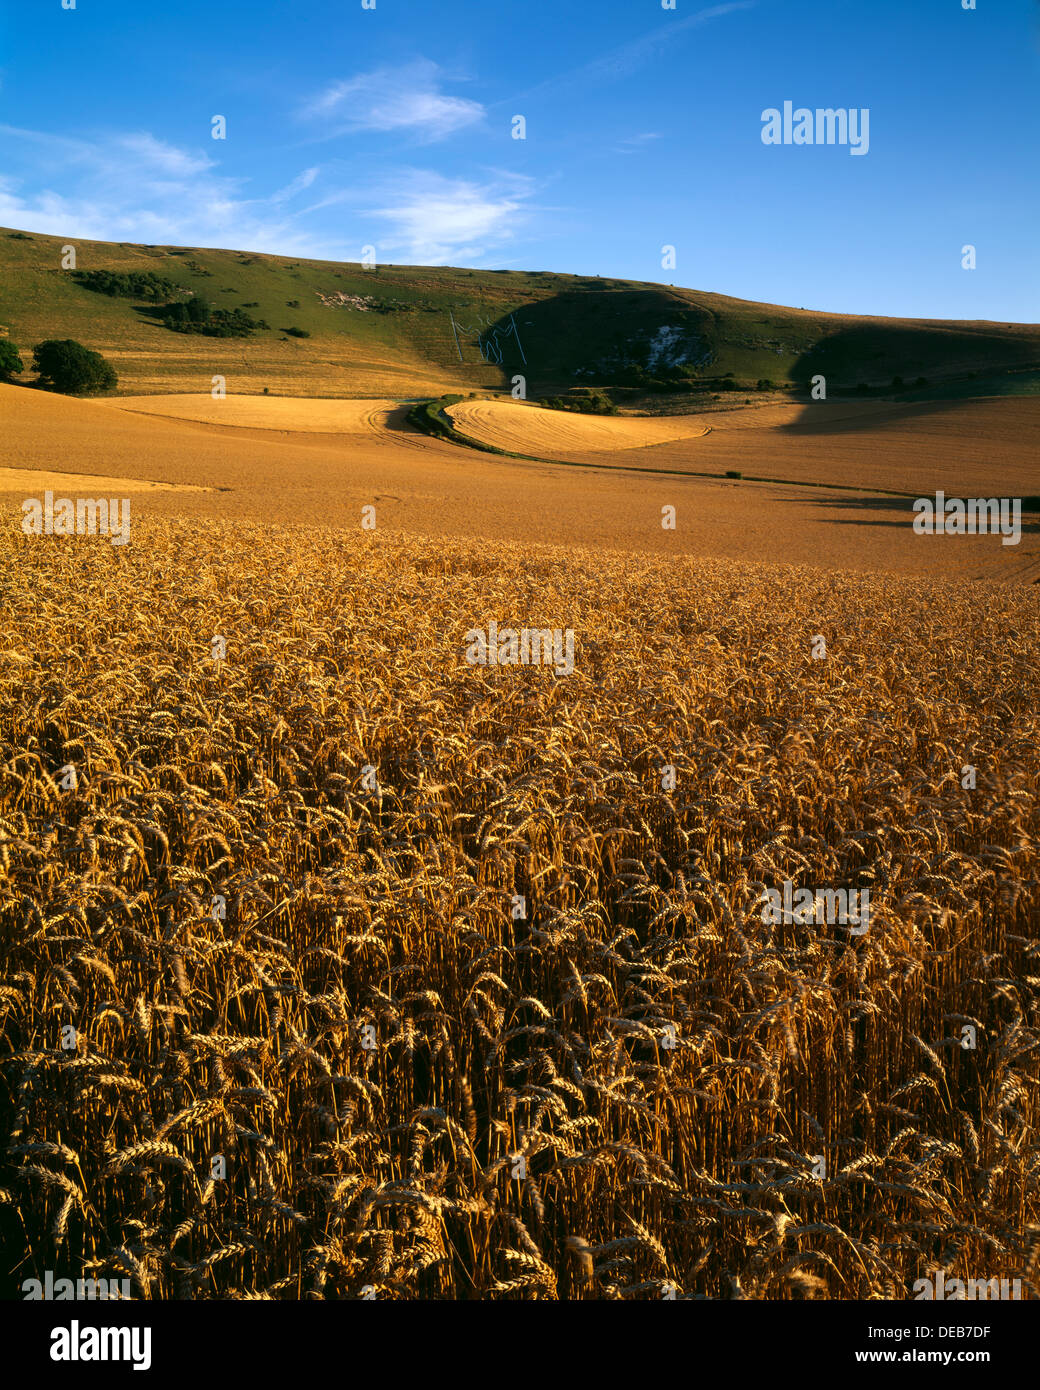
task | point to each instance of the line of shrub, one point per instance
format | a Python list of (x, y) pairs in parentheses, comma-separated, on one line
[(195, 315), (584, 402), (135, 285), (429, 417)]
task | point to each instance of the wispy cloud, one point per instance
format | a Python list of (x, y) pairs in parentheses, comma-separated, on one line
[(298, 184), (164, 158), (407, 98), (629, 57), (432, 219), (634, 143), (138, 188)]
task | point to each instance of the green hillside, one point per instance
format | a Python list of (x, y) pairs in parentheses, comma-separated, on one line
[(390, 330)]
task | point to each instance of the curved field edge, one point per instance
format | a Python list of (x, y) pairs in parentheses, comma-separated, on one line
[(432, 418)]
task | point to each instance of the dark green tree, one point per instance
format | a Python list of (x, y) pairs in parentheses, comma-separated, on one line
[(10, 362), (175, 315), (67, 366)]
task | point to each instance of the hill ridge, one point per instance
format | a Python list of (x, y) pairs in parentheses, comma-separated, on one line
[(339, 329)]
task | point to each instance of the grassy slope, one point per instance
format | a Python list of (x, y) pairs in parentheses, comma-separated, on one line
[(566, 323)]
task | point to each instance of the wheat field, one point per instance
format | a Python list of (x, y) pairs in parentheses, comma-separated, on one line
[(371, 1077), (367, 454), (961, 446)]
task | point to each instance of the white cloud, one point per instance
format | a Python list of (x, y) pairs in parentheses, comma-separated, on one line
[(138, 188), (433, 219), (395, 99), (298, 184), (629, 57), (158, 155), (634, 143)]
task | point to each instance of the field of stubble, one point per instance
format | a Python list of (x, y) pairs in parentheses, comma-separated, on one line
[(372, 1041)]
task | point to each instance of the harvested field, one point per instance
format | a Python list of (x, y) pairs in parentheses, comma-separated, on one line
[(25, 480), (288, 414), (632, 1084), (967, 448), (431, 488), (559, 433)]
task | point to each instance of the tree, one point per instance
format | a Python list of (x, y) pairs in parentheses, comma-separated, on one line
[(10, 362), (175, 315), (197, 315), (67, 366)]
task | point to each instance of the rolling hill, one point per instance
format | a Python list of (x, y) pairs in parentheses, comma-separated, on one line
[(407, 331)]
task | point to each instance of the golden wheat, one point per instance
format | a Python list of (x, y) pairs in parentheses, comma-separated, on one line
[(367, 1076)]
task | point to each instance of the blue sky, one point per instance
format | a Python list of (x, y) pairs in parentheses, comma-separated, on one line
[(392, 128)]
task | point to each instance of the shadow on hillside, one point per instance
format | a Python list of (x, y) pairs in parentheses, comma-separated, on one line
[(152, 315), (907, 371), (834, 416), (587, 337), (604, 337), (397, 421), (902, 509)]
